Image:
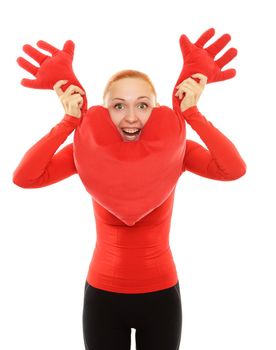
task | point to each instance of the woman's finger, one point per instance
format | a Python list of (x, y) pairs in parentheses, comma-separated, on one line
[(192, 85), (72, 89), (74, 100), (75, 97), (81, 103), (57, 87), (186, 89), (180, 94), (202, 78)]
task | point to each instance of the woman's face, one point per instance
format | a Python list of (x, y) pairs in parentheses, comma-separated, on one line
[(130, 102)]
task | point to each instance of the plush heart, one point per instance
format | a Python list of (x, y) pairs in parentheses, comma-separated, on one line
[(130, 178)]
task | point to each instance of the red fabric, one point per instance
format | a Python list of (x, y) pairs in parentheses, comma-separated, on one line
[(52, 68), (197, 59), (130, 179), (134, 259)]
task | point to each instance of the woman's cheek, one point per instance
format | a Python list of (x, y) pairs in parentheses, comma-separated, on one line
[(116, 117)]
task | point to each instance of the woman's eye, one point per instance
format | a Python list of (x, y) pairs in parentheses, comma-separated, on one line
[(140, 104), (143, 104), (118, 104)]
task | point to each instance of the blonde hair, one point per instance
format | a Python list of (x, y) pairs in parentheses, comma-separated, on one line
[(128, 73)]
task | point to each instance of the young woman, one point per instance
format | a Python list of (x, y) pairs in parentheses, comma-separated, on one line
[(132, 280)]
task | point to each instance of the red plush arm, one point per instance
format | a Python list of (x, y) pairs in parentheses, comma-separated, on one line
[(221, 160), (40, 166), (52, 68), (197, 59)]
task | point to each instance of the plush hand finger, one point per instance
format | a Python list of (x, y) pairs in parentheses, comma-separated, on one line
[(47, 47), (218, 45), (29, 67), (227, 74), (185, 45), (38, 56), (31, 83), (206, 36), (227, 57), (69, 47)]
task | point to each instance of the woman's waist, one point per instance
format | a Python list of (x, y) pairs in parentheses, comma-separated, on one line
[(131, 258), (132, 253), (132, 273)]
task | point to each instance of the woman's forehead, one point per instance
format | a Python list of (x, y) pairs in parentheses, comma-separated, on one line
[(130, 87), (130, 83)]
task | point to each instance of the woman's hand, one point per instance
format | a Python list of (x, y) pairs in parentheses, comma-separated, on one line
[(191, 90), (71, 98)]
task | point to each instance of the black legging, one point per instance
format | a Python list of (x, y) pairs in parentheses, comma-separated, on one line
[(108, 318)]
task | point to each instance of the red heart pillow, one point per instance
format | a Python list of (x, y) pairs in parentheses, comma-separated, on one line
[(130, 178)]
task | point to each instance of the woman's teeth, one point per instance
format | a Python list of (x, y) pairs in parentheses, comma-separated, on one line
[(131, 131), (131, 134)]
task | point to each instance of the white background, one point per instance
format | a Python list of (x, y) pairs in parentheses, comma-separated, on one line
[(222, 234)]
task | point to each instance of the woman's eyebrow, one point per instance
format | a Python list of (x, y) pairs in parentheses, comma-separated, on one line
[(117, 98)]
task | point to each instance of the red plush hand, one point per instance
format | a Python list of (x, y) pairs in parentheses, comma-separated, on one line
[(52, 68), (202, 60)]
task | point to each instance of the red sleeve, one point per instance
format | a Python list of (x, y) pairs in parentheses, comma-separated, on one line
[(221, 160), (40, 166)]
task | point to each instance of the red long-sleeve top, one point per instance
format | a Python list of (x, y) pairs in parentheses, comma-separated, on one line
[(131, 259)]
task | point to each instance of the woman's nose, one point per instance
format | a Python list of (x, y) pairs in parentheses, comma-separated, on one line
[(131, 115)]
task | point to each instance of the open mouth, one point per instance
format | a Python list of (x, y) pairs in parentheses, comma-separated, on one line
[(131, 133)]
